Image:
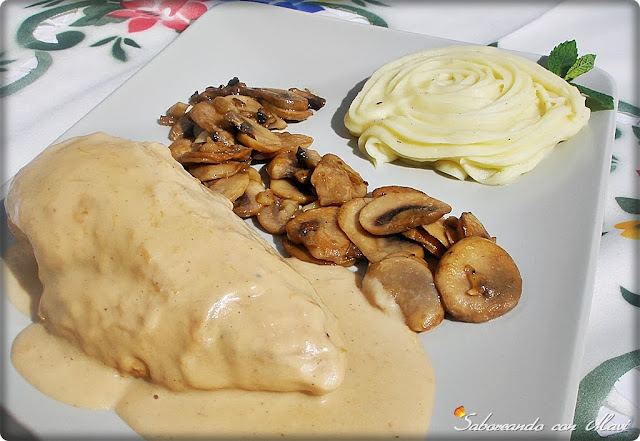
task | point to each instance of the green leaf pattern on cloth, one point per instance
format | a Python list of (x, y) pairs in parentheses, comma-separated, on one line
[(101, 13), (631, 297), (595, 387)]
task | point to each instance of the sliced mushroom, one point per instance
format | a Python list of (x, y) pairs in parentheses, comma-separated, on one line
[(478, 280), (393, 189), (233, 87), (180, 146), (209, 172), (231, 187), (178, 110), (303, 176), (206, 116), (300, 252), (294, 140), (408, 280), (166, 120), (288, 189), (308, 158), (274, 216), (311, 206), (315, 102), (293, 162), (319, 232), (284, 165), (450, 229), (222, 135), (250, 108), (335, 182), (438, 229), (430, 243), (254, 175), (374, 248), (266, 197), (182, 128), (287, 114), (399, 212), (280, 98), (470, 225), (270, 120), (253, 135), (224, 154), (247, 205)]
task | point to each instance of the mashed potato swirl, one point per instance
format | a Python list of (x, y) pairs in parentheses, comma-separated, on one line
[(471, 111)]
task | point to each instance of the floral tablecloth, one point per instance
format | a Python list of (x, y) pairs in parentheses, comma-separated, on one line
[(60, 58)]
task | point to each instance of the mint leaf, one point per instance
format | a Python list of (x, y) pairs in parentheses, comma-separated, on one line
[(562, 57), (564, 62), (583, 65), (596, 100)]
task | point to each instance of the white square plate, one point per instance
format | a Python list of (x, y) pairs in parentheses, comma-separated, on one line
[(519, 368)]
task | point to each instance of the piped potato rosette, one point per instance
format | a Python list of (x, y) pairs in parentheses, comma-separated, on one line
[(471, 111)]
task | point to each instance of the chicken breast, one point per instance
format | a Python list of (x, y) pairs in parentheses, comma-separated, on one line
[(149, 271)]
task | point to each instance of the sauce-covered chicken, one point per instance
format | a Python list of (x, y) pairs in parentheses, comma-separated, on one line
[(150, 272)]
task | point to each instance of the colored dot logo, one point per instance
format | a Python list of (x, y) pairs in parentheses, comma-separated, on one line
[(459, 412)]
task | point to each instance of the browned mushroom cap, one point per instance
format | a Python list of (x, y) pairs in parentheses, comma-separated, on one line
[(374, 248), (399, 212), (335, 182), (478, 280), (231, 187), (393, 189), (247, 205), (274, 216), (300, 252), (430, 243), (209, 172), (287, 189), (408, 280), (469, 225), (315, 102), (319, 232)]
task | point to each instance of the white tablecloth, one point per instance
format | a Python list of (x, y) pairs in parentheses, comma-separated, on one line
[(50, 81)]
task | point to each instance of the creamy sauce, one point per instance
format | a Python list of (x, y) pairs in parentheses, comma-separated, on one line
[(385, 387), (470, 111), (387, 391)]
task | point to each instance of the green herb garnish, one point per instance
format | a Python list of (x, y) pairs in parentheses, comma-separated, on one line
[(564, 62)]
